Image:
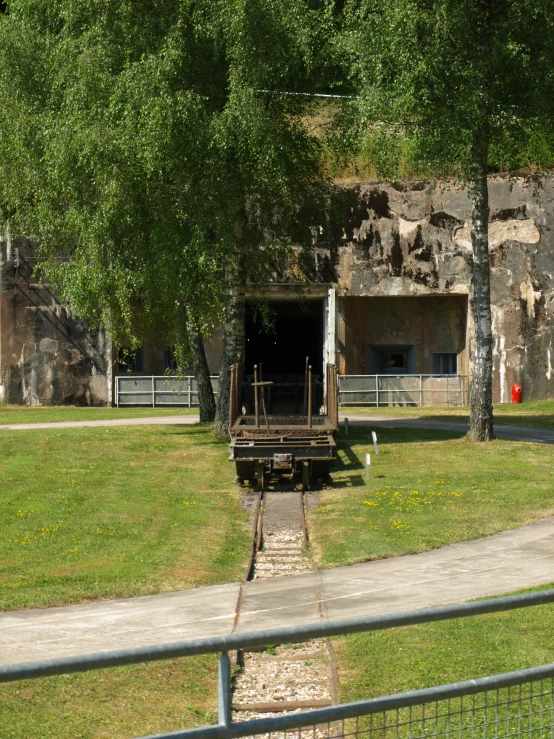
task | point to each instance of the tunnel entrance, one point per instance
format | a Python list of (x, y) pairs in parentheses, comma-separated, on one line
[(296, 332)]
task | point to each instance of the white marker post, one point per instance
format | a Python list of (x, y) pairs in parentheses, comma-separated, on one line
[(374, 437), (367, 463), (346, 426)]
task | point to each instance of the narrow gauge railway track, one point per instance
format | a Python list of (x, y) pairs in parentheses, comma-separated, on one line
[(287, 678)]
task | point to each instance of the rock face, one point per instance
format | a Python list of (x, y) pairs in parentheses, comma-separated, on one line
[(399, 255), (47, 355), (413, 239)]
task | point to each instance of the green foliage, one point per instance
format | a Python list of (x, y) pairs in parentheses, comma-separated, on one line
[(131, 134), (422, 494), (99, 513), (397, 660), (430, 74)]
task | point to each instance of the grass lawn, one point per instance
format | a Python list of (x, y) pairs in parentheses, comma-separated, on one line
[(47, 414), (410, 658), (112, 704), (428, 488), (535, 413), (97, 513)]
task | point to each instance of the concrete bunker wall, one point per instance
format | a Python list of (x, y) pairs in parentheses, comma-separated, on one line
[(413, 239), (431, 324), (47, 355), (393, 242)]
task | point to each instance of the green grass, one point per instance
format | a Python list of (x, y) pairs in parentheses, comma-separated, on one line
[(539, 413), (428, 488), (47, 414), (410, 658), (98, 513), (112, 704)]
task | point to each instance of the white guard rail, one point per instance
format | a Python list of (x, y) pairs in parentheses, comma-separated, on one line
[(394, 390), (158, 391)]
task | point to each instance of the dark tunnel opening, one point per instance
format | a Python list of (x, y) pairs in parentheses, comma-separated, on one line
[(281, 350), (297, 333)]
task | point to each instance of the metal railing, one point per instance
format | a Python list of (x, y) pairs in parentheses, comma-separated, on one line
[(512, 704), (391, 390), (158, 391)]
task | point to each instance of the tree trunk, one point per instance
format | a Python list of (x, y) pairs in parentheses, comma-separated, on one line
[(206, 398), (480, 389), (233, 346)]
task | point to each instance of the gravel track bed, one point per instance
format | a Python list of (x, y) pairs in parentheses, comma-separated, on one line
[(289, 673)]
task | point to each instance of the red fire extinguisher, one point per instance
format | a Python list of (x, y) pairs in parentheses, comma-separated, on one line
[(517, 393)]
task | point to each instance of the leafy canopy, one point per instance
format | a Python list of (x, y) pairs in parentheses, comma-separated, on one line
[(432, 73), (131, 133)]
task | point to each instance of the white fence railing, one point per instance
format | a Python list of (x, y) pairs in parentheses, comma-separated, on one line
[(158, 391), (390, 390), (366, 390)]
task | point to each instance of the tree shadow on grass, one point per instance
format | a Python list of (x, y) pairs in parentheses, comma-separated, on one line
[(351, 481), (545, 421), (392, 435), (348, 461)]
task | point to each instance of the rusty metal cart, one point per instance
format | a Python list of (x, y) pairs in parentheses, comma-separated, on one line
[(299, 445)]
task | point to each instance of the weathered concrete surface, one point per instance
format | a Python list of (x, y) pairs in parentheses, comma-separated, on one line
[(148, 421), (413, 239), (385, 243), (47, 355), (494, 565), (119, 624), (431, 323)]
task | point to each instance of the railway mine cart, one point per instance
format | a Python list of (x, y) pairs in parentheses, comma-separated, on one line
[(296, 445)]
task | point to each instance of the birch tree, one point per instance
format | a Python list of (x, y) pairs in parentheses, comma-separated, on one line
[(146, 147), (456, 87)]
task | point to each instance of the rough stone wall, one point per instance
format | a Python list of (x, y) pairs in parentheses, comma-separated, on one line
[(402, 239), (414, 238), (47, 355)]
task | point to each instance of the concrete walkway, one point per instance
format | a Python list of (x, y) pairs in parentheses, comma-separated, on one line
[(502, 431), (146, 421), (494, 565), (516, 433)]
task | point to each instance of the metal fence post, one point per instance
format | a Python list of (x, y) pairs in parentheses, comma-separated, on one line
[(377, 388), (224, 691), (420, 390), (153, 392)]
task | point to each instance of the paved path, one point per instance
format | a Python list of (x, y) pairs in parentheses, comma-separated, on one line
[(494, 565), (502, 431), (517, 433), (146, 421)]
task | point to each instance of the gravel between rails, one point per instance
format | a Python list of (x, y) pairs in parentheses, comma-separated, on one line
[(292, 677)]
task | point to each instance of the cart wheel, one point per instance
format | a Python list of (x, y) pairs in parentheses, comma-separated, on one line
[(305, 475), (261, 475)]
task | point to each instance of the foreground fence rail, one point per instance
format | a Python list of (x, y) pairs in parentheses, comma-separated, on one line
[(514, 704), (158, 391), (391, 390)]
